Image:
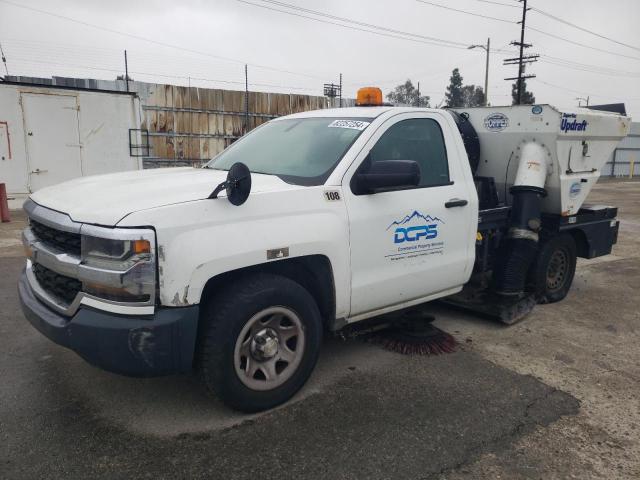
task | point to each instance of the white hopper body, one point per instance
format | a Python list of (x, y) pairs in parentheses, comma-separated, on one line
[(575, 145)]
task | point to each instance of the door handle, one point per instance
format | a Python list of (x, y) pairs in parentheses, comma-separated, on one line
[(455, 202), (37, 170)]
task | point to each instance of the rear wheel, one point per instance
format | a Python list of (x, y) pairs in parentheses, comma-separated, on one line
[(553, 271), (261, 341)]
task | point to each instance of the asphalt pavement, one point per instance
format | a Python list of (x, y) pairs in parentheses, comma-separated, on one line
[(555, 396)]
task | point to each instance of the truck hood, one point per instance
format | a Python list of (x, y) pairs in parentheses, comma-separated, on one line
[(106, 199)]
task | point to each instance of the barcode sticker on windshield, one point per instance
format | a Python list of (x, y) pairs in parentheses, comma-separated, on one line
[(354, 124)]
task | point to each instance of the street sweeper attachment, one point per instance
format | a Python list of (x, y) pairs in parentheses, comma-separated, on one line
[(414, 334), (538, 165)]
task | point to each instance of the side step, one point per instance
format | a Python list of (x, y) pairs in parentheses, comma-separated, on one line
[(507, 310)]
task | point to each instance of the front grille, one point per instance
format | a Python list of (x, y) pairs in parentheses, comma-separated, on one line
[(64, 288), (64, 241)]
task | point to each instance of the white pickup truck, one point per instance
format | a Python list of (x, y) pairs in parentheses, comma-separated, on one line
[(342, 215)]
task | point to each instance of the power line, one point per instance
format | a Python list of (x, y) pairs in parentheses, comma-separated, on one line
[(499, 3), (580, 92), (465, 12), (532, 28), (157, 42), (82, 54), (581, 44), (558, 19), (385, 32), (360, 23), (393, 32), (586, 67)]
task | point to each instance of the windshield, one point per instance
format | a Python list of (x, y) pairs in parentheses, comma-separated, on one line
[(302, 151)]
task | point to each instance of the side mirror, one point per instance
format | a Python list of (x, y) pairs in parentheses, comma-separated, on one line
[(237, 185), (385, 175)]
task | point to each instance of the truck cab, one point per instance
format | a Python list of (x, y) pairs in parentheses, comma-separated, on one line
[(348, 214)]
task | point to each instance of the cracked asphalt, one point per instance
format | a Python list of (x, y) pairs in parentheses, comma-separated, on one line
[(555, 396)]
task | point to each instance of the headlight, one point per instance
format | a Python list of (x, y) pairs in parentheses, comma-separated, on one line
[(118, 264)]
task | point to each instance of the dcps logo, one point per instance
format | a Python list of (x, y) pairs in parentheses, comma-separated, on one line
[(414, 234), (426, 230), (496, 122)]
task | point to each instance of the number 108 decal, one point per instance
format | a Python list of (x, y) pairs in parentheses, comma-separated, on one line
[(332, 196)]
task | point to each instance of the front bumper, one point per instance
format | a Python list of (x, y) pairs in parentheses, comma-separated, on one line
[(149, 345)]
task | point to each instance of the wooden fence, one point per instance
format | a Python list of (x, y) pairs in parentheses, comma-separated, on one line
[(190, 125)]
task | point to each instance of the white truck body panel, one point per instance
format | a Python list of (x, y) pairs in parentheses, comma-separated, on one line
[(571, 171)]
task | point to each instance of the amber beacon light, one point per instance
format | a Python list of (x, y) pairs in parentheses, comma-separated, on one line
[(368, 96)]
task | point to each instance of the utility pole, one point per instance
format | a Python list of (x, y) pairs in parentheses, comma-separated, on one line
[(522, 59), (487, 49), (340, 92), (332, 91), (418, 99), (126, 70), (524, 19), (579, 99)]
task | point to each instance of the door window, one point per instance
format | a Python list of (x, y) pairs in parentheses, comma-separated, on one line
[(420, 140)]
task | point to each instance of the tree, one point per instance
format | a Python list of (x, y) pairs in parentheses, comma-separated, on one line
[(472, 96), (407, 94), (454, 95), (459, 95), (527, 97)]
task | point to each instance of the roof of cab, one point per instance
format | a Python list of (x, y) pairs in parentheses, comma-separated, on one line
[(352, 112)]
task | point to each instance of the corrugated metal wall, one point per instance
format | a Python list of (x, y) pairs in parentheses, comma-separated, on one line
[(190, 125), (625, 160)]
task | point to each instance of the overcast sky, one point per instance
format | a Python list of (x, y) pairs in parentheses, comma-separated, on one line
[(290, 53)]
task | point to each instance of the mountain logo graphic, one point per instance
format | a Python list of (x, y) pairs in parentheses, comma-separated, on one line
[(415, 214)]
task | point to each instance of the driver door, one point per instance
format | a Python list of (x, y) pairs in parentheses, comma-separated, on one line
[(410, 244)]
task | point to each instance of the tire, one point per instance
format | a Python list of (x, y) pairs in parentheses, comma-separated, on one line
[(260, 342), (552, 273)]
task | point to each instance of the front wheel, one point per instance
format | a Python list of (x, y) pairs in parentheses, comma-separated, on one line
[(554, 268), (261, 341)]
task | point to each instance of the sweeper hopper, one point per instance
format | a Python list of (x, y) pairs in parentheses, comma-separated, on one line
[(541, 146)]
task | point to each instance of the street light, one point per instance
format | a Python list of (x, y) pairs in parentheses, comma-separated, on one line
[(486, 48)]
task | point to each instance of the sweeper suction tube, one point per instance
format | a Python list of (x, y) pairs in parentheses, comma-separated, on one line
[(521, 245)]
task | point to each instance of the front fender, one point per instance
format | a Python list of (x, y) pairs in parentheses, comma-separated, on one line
[(200, 240)]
